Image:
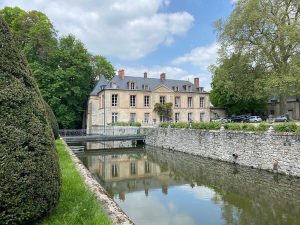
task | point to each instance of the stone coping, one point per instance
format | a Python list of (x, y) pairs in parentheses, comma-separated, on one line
[(113, 210)]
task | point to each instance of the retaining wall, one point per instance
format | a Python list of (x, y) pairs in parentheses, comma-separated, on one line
[(269, 151)]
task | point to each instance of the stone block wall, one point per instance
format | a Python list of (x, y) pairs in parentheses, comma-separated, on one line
[(269, 151)]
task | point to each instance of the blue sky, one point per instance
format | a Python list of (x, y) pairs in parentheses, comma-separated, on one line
[(172, 36)]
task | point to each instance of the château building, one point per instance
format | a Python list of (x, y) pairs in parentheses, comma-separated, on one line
[(132, 99)]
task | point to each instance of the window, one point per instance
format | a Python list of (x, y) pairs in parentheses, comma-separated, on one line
[(189, 88), (202, 116), (114, 100), (114, 117), (190, 119), (146, 117), (146, 101), (132, 117), (201, 102), (177, 102), (177, 117), (190, 101), (132, 168), (132, 100), (147, 167), (132, 85), (145, 86), (162, 99), (114, 170)]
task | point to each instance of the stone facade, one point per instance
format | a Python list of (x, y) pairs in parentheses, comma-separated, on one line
[(268, 151), (111, 101)]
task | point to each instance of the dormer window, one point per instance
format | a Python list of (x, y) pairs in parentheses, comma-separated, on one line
[(145, 87), (132, 85), (113, 85), (189, 88)]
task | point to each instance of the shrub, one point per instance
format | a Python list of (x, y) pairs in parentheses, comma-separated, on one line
[(232, 126), (29, 169), (181, 125), (248, 127), (165, 124), (52, 120), (285, 127), (213, 125), (135, 124), (263, 127)]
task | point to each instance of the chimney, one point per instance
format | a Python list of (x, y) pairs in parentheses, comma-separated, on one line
[(196, 82), (145, 74), (121, 74), (163, 76)]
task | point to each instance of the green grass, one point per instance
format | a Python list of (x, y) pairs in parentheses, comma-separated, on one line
[(77, 203)]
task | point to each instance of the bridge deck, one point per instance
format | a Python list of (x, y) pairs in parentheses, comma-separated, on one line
[(90, 138)]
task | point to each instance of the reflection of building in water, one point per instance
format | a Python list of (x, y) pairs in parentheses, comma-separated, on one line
[(123, 173), (109, 145)]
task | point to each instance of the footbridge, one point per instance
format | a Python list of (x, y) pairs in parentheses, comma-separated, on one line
[(103, 134)]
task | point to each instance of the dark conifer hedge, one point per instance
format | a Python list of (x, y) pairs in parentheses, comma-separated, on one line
[(29, 169), (52, 120)]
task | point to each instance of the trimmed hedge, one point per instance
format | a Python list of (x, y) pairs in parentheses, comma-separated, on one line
[(29, 169), (132, 124), (246, 127), (52, 120), (194, 125), (286, 127)]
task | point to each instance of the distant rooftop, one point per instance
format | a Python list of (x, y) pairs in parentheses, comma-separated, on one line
[(144, 83)]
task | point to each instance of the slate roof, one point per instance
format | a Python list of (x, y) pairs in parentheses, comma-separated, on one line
[(153, 83)]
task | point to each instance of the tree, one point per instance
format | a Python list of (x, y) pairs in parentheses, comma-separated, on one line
[(29, 169), (268, 31), (164, 110), (101, 67), (234, 86), (66, 87)]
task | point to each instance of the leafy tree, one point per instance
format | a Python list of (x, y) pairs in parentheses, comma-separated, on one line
[(164, 110), (234, 86), (29, 169), (102, 67), (66, 87), (268, 31)]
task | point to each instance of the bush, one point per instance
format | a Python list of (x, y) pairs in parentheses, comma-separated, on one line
[(29, 169), (52, 120), (165, 124), (285, 127), (263, 127), (181, 125), (232, 126), (135, 124)]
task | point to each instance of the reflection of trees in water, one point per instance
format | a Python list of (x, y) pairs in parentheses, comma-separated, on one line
[(246, 196)]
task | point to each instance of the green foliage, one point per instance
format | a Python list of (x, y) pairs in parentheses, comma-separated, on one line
[(52, 120), (29, 170), (164, 110), (286, 127), (194, 125), (132, 124), (102, 67), (246, 127), (77, 204), (268, 31), (233, 86), (64, 70)]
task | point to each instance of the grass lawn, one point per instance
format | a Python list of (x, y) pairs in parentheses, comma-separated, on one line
[(77, 203)]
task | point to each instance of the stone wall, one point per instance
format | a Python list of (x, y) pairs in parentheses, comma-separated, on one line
[(268, 151)]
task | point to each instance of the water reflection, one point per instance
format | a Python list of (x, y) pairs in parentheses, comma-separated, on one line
[(155, 186)]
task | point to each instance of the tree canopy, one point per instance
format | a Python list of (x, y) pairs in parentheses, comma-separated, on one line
[(63, 68), (164, 110), (268, 32)]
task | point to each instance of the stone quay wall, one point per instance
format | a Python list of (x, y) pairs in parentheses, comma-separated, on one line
[(270, 151)]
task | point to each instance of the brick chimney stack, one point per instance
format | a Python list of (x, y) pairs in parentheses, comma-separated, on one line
[(163, 76), (121, 74), (196, 82), (145, 74)]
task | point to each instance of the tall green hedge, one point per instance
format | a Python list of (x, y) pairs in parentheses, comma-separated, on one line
[(52, 120), (29, 169)]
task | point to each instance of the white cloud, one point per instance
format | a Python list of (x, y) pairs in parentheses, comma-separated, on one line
[(201, 56), (121, 28)]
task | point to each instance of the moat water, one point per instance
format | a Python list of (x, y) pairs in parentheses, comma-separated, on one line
[(161, 187)]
